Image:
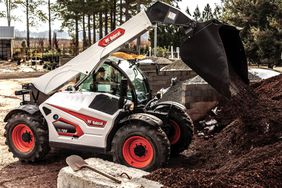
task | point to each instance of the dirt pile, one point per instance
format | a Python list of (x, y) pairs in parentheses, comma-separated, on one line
[(174, 93), (247, 152), (160, 60), (270, 88), (176, 65)]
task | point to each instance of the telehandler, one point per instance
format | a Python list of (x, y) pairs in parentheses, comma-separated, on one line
[(72, 107)]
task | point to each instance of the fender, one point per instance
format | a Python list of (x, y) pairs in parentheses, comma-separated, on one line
[(167, 106), (163, 109), (28, 109), (148, 119)]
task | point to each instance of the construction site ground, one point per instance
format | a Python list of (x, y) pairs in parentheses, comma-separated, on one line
[(14, 173), (244, 150)]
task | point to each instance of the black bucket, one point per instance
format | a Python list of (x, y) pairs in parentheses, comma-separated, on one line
[(214, 51)]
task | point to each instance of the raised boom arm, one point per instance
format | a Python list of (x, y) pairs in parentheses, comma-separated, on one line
[(212, 49)]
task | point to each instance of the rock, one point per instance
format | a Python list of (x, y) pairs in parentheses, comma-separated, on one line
[(86, 178)]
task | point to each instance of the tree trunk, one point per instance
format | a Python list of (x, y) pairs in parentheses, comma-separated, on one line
[(49, 20), (83, 27), (8, 8), (27, 26), (94, 28), (89, 29), (76, 36), (113, 15), (126, 10), (100, 25), (138, 38), (106, 21), (83, 32), (120, 12)]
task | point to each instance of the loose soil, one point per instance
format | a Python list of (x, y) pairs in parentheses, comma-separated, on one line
[(247, 150), (161, 60), (176, 65), (174, 93)]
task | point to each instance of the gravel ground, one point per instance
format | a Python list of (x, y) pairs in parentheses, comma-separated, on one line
[(8, 101), (10, 70), (44, 174), (12, 172)]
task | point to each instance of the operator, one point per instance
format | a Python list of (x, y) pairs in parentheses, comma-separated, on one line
[(100, 75)]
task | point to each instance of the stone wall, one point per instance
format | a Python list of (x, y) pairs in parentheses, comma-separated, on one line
[(199, 99), (162, 78), (197, 95)]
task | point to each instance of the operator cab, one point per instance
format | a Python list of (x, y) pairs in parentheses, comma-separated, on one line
[(108, 78)]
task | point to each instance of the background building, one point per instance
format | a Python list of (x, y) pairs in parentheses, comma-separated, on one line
[(7, 34)]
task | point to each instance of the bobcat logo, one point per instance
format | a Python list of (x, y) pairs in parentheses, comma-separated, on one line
[(95, 123)]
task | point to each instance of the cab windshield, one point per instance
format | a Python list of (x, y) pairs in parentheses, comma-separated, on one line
[(112, 78), (136, 78)]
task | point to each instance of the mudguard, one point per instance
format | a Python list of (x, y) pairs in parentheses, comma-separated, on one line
[(29, 109), (167, 105), (146, 118), (163, 109)]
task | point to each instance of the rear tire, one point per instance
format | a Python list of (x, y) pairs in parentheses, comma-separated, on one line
[(141, 146), (181, 133), (27, 137)]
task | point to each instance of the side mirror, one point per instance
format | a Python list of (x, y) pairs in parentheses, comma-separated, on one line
[(70, 88), (122, 93), (159, 95)]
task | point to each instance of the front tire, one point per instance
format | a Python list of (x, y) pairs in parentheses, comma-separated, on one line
[(181, 131), (27, 137), (141, 146)]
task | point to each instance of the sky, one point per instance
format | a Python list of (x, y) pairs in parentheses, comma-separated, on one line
[(21, 23), (192, 4)]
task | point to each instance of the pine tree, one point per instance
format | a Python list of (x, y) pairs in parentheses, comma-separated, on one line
[(33, 14), (261, 28), (188, 11), (207, 13), (217, 12), (71, 13), (197, 14)]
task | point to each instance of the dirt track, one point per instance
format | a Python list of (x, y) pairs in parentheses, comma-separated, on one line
[(14, 173), (7, 101)]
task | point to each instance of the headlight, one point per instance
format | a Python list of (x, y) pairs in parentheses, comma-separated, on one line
[(131, 106)]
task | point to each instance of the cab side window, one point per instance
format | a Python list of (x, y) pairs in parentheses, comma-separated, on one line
[(107, 80)]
